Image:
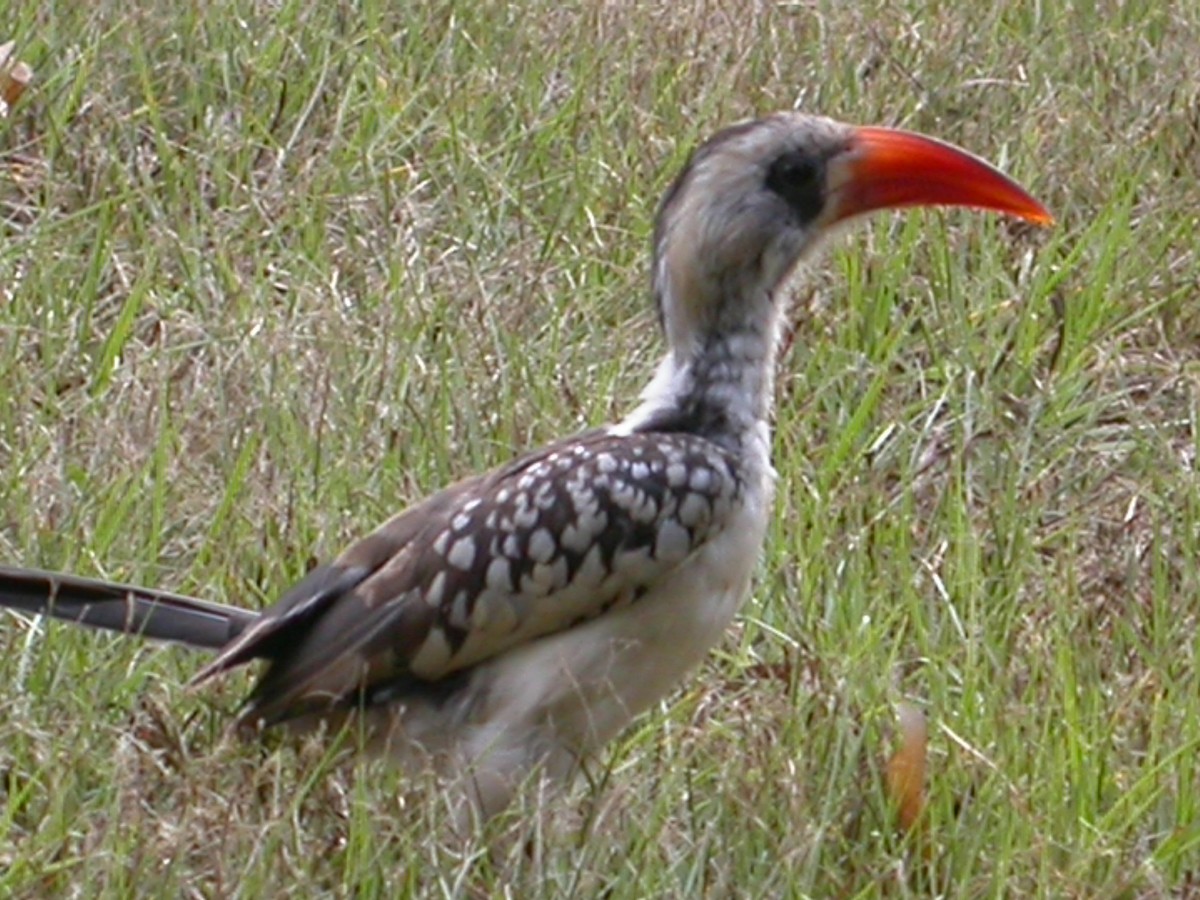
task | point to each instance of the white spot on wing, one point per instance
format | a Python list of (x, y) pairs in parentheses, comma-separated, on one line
[(437, 588), (550, 576), (591, 571), (525, 517), (672, 544), (442, 542), (693, 510), (645, 510), (462, 554), (636, 565), (575, 539), (541, 546), (494, 614), (544, 497), (499, 575), (434, 654), (459, 609)]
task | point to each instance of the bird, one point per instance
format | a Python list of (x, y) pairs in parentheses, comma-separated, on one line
[(512, 624)]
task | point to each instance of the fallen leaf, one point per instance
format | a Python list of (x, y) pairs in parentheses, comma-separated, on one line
[(15, 76), (906, 768)]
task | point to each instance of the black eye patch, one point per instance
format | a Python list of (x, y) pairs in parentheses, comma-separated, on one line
[(799, 178)]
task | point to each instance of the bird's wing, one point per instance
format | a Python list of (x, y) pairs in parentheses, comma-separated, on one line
[(557, 537)]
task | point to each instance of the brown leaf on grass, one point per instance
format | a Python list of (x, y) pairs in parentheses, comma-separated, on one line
[(15, 76), (906, 767)]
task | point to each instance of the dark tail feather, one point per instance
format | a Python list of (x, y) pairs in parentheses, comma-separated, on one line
[(122, 607)]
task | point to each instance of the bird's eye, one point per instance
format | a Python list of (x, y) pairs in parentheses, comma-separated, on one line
[(799, 178)]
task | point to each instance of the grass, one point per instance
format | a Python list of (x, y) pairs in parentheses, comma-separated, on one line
[(271, 271)]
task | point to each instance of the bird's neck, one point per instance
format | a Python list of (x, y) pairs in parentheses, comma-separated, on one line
[(717, 379)]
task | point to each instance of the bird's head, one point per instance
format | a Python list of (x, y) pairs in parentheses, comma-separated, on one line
[(756, 197)]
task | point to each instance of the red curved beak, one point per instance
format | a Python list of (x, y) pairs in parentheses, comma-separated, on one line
[(886, 169)]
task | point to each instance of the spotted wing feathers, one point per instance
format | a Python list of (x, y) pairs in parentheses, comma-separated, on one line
[(557, 537)]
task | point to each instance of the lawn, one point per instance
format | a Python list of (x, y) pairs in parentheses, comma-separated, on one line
[(270, 271)]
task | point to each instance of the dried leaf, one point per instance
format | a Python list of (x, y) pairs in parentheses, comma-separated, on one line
[(906, 768), (15, 77)]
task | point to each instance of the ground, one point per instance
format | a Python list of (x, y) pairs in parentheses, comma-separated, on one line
[(269, 271)]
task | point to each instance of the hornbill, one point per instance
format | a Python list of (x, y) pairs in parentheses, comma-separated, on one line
[(517, 620)]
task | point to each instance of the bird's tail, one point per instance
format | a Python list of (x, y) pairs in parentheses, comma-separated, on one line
[(121, 607)]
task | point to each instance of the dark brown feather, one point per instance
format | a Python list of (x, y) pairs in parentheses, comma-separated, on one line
[(122, 608)]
